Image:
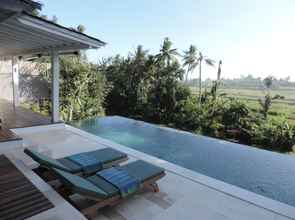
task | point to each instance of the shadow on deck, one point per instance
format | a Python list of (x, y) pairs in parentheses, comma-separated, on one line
[(20, 117)]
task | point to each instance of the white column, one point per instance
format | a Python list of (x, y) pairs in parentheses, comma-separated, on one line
[(15, 81), (55, 86)]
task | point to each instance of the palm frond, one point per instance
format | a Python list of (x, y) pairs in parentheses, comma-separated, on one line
[(194, 65), (210, 62)]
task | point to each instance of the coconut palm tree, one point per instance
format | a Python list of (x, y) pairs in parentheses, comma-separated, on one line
[(139, 54), (202, 58), (190, 60), (193, 58), (167, 53), (219, 70)]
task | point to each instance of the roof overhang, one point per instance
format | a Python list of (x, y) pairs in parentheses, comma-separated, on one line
[(25, 34), (20, 5)]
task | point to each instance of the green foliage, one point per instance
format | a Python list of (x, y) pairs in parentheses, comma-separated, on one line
[(268, 81), (81, 28), (145, 86), (82, 89), (275, 135), (149, 87), (267, 100), (131, 80), (229, 118), (167, 54), (235, 115), (190, 60), (165, 93)]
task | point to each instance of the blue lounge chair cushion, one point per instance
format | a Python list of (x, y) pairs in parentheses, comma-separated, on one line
[(142, 170), (88, 162), (81, 185), (46, 161), (121, 179), (118, 181), (103, 156)]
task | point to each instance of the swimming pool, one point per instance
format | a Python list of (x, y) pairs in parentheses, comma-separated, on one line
[(266, 173)]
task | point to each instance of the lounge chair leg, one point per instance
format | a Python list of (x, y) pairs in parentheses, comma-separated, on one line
[(64, 192), (91, 211), (49, 176), (154, 187), (91, 214)]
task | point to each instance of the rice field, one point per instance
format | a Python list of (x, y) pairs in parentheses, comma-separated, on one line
[(252, 95)]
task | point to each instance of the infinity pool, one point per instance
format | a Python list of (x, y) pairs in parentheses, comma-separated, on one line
[(266, 173)]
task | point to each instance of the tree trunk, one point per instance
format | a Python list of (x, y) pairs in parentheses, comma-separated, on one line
[(187, 72), (200, 82)]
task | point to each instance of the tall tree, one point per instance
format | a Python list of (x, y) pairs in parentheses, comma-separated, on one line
[(167, 53), (202, 58), (219, 70), (190, 60), (268, 99)]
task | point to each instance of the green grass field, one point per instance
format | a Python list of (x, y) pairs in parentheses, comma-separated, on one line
[(252, 95)]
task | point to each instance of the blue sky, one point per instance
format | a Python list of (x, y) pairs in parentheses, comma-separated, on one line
[(250, 36)]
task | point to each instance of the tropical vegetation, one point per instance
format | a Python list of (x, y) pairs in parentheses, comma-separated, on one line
[(156, 88)]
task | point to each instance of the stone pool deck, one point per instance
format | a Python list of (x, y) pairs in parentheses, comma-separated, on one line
[(183, 194)]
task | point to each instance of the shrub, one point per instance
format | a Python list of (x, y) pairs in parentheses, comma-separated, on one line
[(82, 89), (275, 135)]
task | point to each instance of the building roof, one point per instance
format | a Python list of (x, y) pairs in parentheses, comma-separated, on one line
[(23, 33), (20, 5), (31, 5)]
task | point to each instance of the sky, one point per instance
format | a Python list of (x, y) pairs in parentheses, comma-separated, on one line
[(250, 36)]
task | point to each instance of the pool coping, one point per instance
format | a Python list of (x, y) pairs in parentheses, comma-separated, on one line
[(252, 198)]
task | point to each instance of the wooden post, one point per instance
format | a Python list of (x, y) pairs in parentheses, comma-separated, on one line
[(15, 81), (55, 71)]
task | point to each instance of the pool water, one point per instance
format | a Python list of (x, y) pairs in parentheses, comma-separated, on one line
[(266, 173)]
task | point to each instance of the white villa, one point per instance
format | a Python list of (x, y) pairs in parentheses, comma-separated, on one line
[(184, 194)]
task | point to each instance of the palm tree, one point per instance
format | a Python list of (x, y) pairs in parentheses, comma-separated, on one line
[(139, 54), (190, 59), (167, 53), (268, 81), (193, 58), (267, 101), (209, 62), (219, 70)]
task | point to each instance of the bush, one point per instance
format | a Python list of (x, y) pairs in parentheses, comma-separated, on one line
[(82, 89), (204, 119), (274, 135), (187, 115), (231, 119), (148, 88), (235, 114)]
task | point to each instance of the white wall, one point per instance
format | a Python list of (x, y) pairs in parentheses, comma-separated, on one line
[(30, 86), (6, 91)]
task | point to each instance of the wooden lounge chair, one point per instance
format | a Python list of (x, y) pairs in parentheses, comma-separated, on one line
[(102, 192), (102, 159)]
